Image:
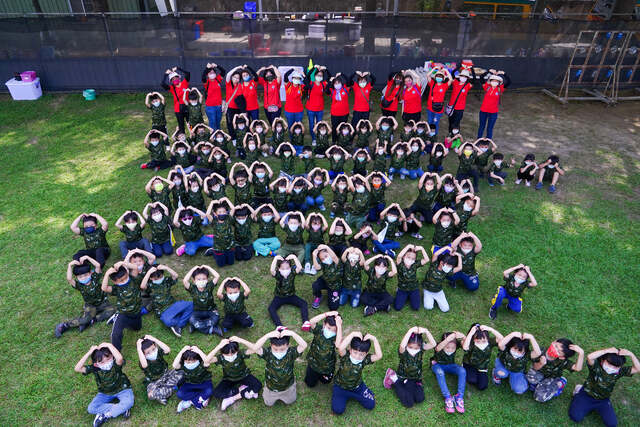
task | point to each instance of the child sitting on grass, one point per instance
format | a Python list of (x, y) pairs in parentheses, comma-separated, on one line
[(159, 219), (331, 279), (266, 216), (285, 271), (338, 233), (159, 190), (436, 155), (340, 187), (94, 237), (174, 314), (375, 297), (445, 221), (353, 264), (517, 279), (243, 236), (379, 183), (285, 152), (85, 275), (200, 282), (398, 161), (527, 170), (155, 141), (321, 358), (408, 285), (477, 347), (468, 246), (155, 102), (322, 131), (337, 157), (550, 171), (181, 156), (364, 129), (189, 220), (196, 390), (443, 265), (318, 178), (106, 366), (193, 100), (444, 362), (545, 376), (316, 226), (260, 174), (293, 225), (496, 172), (514, 356), (133, 225), (234, 296), (159, 380)]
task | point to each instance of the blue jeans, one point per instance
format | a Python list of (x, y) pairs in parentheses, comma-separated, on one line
[(160, 249), (401, 171), (265, 245), (215, 116), (125, 246), (193, 392), (362, 394), (434, 119), (253, 114), (101, 404), (293, 117), (582, 404), (515, 303), (190, 248), (177, 314), (403, 296), (517, 380), (470, 282), (432, 168), (415, 173), (488, 120), (386, 245), (225, 257), (345, 294), (315, 201), (333, 174), (314, 117), (293, 206), (374, 212), (452, 368)]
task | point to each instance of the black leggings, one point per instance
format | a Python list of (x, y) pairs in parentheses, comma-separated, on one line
[(231, 113), (312, 377), (475, 377), (335, 121), (226, 388), (526, 175), (271, 116), (411, 116), (333, 297), (380, 300), (244, 253), (385, 112), (181, 116), (121, 323), (278, 302), (357, 116), (99, 254), (409, 392), (455, 119)]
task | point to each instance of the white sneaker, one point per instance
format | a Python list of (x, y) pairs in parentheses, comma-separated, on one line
[(184, 404), (313, 143), (417, 236), (518, 181), (264, 154), (227, 402), (307, 268), (527, 183), (312, 271)]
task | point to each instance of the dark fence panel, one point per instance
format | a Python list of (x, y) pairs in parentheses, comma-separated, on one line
[(113, 52)]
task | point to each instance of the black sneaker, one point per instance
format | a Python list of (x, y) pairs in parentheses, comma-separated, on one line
[(493, 313), (99, 420), (60, 329), (177, 331), (208, 252), (191, 328), (127, 413), (368, 311), (83, 327), (217, 330)]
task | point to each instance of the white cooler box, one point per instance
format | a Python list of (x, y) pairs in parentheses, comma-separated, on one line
[(23, 91)]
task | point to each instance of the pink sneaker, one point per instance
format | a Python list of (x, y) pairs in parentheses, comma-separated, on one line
[(180, 250), (387, 383), (459, 403), (306, 326), (367, 252), (143, 166), (448, 405)]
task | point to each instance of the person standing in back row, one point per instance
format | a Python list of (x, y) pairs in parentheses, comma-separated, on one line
[(362, 85), (176, 81), (390, 94), (270, 79), (212, 77), (339, 92), (461, 86), (411, 97), (497, 82), (439, 81)]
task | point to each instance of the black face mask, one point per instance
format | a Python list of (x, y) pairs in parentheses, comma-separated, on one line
[(269, 77), (398, 82), (222, 217)]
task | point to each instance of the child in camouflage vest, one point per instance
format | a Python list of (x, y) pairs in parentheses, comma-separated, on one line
[(133, 225), (517, 279), (545, 376), (517, 349), (159, 380), (233, 292), (322, 131), (477, 347), (159, 220), (321, 358), (285, 270), (331, 279), (156, 142), (205, 317), (94, 237), (193, 100)]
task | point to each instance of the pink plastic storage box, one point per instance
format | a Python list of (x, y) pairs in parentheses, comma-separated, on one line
[(28, 76)]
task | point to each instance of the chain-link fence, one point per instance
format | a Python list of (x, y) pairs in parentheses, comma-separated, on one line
[(124, 52)]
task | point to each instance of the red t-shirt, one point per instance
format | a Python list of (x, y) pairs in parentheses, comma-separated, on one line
[(213, 92), (340, 107), (491, 99), (437, 92), (391, 95), (178, 93), (293, 101), (271, 92), (229, 91), (462, 89), (316, 96), (361, 97), (412, 99), (250, 92)]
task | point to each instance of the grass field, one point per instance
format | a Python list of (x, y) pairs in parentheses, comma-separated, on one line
[(62, 156)]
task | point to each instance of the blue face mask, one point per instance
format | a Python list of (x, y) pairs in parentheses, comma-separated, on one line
[(125, 283), (85, 281), (439, 79), (89, 229), (158, 281), (246, 78)]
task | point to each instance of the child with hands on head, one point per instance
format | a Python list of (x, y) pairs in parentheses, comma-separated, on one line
[(233, 291), (159, 380), (321, 358), (200, 282)]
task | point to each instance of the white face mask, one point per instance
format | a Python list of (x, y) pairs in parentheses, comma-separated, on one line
[(415, 149), (295, 81), (231, 358), (194, 103), (216, 187), (293, 227), (317, 181), (467, 208), (445, 224), (337, 157), (409, 262), (400, 153), (328, 333), (156, 217), (392, 218), (195, 188), (212, 76), (242, 221), (217, 156), (177, 181), (515, 354), (438, 153), (201, 284), (191, 365), (483, 150), (345, 131), (323, 131), (282, 189), (107, 366), (341, 186), (327, 260), (206, 152), (153, 355), (551, 166), (354, 360), (182, 151), (447, 268), (362, 84), (448, 188), (455, 131), (233, 297), (241, 126), (252, 147), (287, 154), (611, 370), (482, 345), (156, 103), (131, 225), (297, 190), (278, 129), (498, 163), (493, 83), (353, 258), (219, 138), (285, 273), (338, 232), (279, 354), (267, 218), (381, 152), (519, 280), (259, 129), (297, 131), (362, 159), (360, 189), (154, 142), (462, 79), (315, 227), (413, 351), (187, 222), (466, 251), (449, 353), (380, 270)]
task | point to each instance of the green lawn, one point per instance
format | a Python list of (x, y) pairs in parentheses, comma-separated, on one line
[(62, 155)]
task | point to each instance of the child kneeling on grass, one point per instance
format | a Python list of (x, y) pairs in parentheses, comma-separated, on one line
[(375, 297), (408, 285), (237, 381), (106, 366), (513, 358), (321, 358), (160, 228), (279, 358), (443, 266), (133, 225), (352, 264), (196, 390), (331, 279), (189, 221), (159, 380), (407, 382), (517, 279), (348, 383)]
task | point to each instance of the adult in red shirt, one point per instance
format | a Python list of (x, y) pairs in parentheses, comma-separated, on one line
[(212, 77), (458, 101), (316, 81), (176, 81), (390, 94), (411, 97), (438, 82), (235, 100), (361, 84), (339, 92), (293, 89), (250, 92), (270, 79), (497, 82)]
